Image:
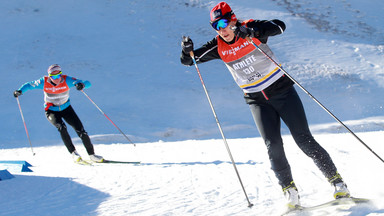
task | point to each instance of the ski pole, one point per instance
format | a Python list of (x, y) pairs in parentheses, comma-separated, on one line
[(220, 129), (108, 118), (25, 125), (310, 95)]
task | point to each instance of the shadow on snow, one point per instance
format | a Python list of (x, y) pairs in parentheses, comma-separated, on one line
[(51, 194)]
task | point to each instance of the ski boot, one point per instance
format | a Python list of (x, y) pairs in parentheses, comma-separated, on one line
[(341, 190), (76, 157), (96, 158), (292, 196)]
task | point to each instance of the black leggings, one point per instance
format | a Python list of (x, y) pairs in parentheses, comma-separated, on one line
[(288, 106), (69, 115)]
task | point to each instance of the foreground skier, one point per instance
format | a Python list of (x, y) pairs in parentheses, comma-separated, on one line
[(269, 93), (57, 107)]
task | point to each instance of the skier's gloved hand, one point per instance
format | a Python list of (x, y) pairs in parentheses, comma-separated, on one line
[(186, 44), (80, 86), (243, 32), (17, 93)]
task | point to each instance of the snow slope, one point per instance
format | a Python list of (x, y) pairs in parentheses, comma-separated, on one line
[(187, 178), (129, 50)]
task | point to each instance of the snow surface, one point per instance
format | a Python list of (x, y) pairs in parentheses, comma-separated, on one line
[(187, 178), (129, 50)]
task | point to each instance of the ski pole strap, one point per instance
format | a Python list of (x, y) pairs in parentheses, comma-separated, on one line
[(47, 105)]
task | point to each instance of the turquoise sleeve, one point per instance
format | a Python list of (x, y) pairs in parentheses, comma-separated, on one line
[(37, 84), (71, 81)]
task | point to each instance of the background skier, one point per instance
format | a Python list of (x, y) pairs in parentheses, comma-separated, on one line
[(58, 108)]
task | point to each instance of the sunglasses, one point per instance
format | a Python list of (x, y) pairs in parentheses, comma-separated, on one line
[(221, 23), (55, 76)]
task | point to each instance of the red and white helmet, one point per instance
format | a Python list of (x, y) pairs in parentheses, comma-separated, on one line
[(222, 10)]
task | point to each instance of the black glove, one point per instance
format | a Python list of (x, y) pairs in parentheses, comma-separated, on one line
[(79, 86), (244, 32), (17, 93), (187, 44)]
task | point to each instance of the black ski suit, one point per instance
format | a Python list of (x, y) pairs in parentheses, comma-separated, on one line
[(279, 100), (69, 115)]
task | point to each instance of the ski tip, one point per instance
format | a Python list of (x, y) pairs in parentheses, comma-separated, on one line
[(354, 199), (82, 162), (360, 200), (122, 162)]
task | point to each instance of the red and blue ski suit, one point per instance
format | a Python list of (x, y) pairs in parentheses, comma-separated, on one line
[(58, 108)]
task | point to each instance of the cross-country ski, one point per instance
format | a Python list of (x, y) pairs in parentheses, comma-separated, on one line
[(113, 162), (341, 202)]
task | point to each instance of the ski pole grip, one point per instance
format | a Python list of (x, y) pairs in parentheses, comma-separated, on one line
[(192, 54)]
